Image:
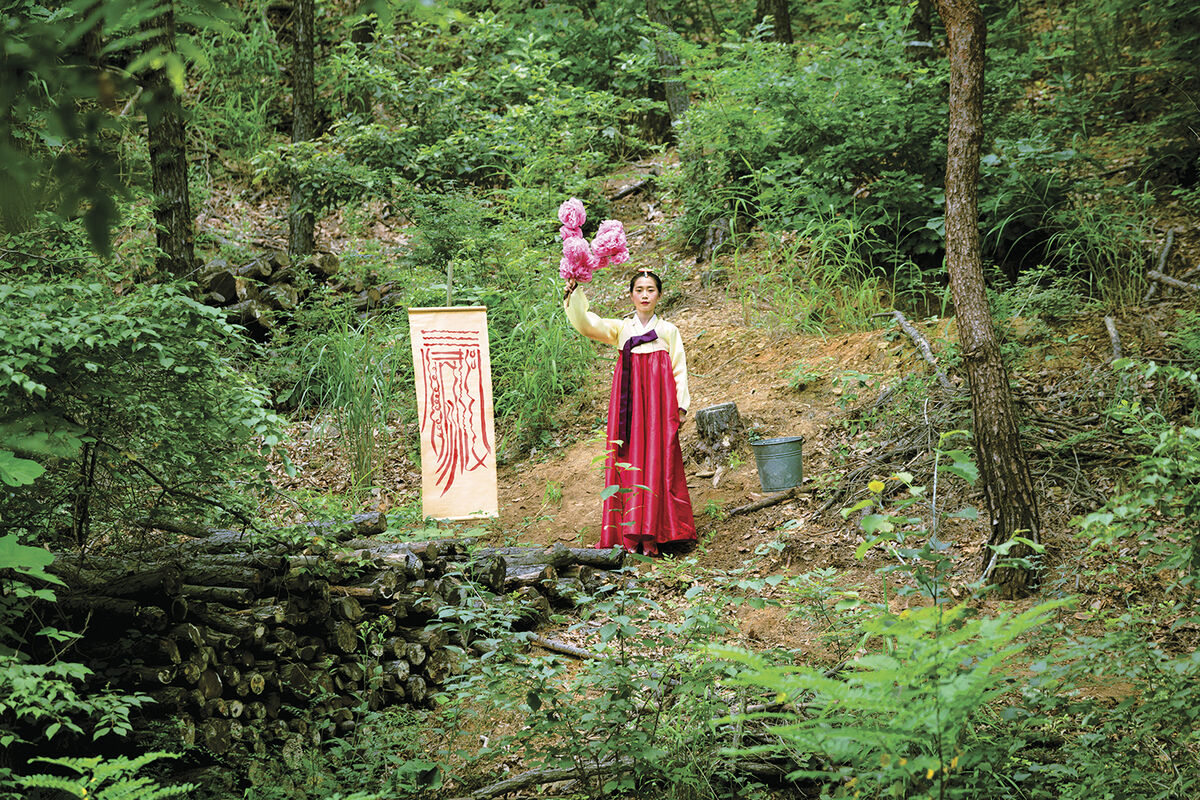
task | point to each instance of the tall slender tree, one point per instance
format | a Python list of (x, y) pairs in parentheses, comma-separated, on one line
[(781, 18), (1007, 483), (300, 216), (167, 139), (674, 88)]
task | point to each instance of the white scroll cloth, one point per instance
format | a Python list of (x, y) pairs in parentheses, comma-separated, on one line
[(453, 373)]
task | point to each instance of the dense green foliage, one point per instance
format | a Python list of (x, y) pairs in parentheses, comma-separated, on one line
[(464, 124), (128, 400), (44, 695)]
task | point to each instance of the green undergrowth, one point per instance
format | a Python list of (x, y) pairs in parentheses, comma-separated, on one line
[(935, 692)]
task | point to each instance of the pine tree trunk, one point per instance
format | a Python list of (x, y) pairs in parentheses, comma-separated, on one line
[(1007, 484), (781, 17), (668, 67), (168, 157), (921, 25), (300, 216)]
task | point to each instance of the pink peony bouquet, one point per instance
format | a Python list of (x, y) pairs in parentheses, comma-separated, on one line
[(572, 216), (579, 260)]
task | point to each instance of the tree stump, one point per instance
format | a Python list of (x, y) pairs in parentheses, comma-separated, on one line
[(721, 431)]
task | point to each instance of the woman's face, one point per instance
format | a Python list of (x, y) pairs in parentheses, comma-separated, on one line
[(644, 295)]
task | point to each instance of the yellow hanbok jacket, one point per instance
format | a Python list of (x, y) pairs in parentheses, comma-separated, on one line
[(618, 331)]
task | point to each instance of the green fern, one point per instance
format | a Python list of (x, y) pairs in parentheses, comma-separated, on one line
[(895, 721), (106, 779)]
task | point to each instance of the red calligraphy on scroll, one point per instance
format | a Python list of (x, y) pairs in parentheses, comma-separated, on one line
[(453, 416)]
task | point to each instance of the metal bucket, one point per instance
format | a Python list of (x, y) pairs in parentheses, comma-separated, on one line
[(779, 463)]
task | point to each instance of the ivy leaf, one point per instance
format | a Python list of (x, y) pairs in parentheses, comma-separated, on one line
[(877, 523), (27, 560), (963, 469), (16, 471)]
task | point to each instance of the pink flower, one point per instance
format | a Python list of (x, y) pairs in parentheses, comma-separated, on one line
[(577, 262), (572, 216), (610, 243)]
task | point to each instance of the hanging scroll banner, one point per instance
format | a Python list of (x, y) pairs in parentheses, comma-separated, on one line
[(453, 373)]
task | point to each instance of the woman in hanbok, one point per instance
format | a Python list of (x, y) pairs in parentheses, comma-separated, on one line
[(650, 506)]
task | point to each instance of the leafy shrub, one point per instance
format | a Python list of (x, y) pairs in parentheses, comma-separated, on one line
[(41, 702), (500, 115), (127, 401), (783, 134), (901, 720), (649, 702), (1137, 741), (381, 760), (235, 92), (1167, 486), (455, 227), (899, 723), (97, 778), (1151, 399)]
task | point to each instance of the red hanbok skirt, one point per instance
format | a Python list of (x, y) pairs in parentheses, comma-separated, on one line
[(652, 506)]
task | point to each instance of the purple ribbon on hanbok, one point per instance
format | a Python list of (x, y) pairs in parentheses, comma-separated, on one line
[(627, 386)]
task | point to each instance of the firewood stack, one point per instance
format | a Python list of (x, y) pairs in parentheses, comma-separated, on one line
[(252, 294), (246, 649)]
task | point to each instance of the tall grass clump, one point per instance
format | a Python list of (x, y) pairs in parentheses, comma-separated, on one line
[(1035, 209), (537, 360), (359, 371), (1104, 245), (235, 106), (817, 277)]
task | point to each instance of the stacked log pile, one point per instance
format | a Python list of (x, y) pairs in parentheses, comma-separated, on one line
[(250, 294), (247, 649)]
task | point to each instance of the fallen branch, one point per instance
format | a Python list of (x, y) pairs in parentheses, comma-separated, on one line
[(1175, 283), (129, 105), (177, 492), (538, 777), (1162, 264), (556, 646), (632, 188), (766, 502), (922, 344), (1114, 337)]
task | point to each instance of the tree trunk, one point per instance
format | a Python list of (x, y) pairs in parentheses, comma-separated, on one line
[(668, 66), (781, 18), (1007, 485), (920, 46), (167, 139), (300, 216)]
